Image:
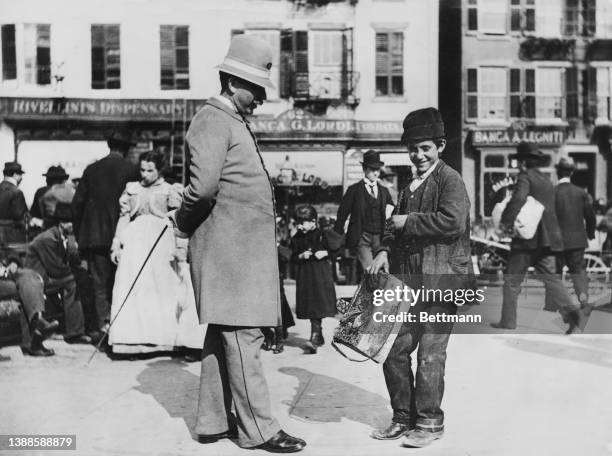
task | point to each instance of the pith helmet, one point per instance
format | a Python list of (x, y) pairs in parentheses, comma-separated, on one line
[(249, 58)]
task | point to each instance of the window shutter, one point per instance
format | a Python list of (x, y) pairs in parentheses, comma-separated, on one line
[(181, 41), (43, 54), (529, 102), (516, 109), (472, 13), (590, 23), (590, 112), (301, 64), (472, 93), (347, 63), (166, 42), (9, 55), (382, 63), (571, 92), (97, 57), (286, 64)]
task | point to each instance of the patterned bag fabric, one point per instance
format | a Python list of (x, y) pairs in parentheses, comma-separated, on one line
[(360, 328), (9, 310)]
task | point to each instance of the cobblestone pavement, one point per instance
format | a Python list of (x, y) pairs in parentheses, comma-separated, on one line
[(517, 393)]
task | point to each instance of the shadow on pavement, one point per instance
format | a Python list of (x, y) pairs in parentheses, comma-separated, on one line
[(174, 388), (320, 398), (562, 351)]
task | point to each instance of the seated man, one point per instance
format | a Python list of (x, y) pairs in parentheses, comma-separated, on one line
[(51, 254), (26, 286)]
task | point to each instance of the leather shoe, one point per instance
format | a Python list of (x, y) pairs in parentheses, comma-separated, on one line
[(420, 438), (82, 339), (43, 328), (394, 431), (37, 348), (500, 326), (282, 442), (212, 438)]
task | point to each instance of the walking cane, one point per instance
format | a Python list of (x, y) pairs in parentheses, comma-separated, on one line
[(128, 294)]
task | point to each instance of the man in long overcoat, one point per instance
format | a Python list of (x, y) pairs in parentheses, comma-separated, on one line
[(96, 211), (228, 212), (427, 243), (539, 251), (574, 208)]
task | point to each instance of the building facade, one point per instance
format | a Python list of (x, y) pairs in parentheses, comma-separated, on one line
[(346, 73), (536, 71)]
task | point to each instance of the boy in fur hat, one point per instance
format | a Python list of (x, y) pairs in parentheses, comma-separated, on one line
[(426, 243)]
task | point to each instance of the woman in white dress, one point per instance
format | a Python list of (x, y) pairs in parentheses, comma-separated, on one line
[(160, 313)]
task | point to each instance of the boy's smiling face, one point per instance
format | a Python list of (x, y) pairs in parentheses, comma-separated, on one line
[(424, 154)]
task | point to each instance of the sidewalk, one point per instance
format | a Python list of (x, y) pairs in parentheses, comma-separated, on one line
[(513, 394)]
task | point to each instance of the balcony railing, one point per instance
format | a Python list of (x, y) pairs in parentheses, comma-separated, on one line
[(326, 85), (495, 107)]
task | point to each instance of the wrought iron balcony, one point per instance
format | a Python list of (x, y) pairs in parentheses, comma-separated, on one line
[(326, 85)]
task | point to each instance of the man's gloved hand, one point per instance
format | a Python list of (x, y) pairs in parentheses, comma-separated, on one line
[(178, 233), (115, 254)]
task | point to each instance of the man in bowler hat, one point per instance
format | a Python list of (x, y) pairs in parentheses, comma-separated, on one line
[(55, 175), (539, 251), (95, 209), (366, 203), (52, 254), (228, 213), (574, 208), (13, 209), (427, 244)]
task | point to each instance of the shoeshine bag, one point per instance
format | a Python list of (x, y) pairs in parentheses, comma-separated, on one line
[(528, 218), (361, 329)]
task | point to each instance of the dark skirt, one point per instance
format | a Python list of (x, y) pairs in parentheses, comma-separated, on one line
[(315, 291)]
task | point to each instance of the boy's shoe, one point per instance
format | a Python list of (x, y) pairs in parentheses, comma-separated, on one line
[(392, 432), (420, 438), (310, 348)]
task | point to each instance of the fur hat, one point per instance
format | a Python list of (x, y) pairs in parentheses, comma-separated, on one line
[(423, 124)]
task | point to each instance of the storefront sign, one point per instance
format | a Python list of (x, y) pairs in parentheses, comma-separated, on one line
[(294, 123), (511, 136), (304, 168), (120, 109), (299, 121)]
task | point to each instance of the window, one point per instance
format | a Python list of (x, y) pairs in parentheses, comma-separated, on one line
[(604, 18), (37, 53), (486, 93), (174, 57), (549, 16), (9, 55), (571, 18), (604, 90), (105, 57), (549, 93), (272, 37), (492, 17), (390, 64), (325, 64), (522, 15), (522, 93)]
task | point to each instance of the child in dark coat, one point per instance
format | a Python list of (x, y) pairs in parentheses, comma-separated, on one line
[(315, 292)]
